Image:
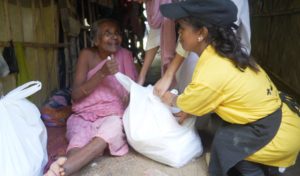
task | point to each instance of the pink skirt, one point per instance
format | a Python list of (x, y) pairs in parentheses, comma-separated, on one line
[(80, 132)]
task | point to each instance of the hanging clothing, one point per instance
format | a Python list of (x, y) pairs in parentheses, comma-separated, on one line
[(244, 30), (167, 32), (23, 75), (10, 58)]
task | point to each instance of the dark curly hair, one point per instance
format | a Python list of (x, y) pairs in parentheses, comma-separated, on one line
[(226, 43)]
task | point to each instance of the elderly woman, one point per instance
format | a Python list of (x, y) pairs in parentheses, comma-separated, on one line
[(99, 101), (261, 132)]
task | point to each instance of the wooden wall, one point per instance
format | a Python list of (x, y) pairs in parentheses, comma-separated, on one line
[(33, 24), (276, 40)]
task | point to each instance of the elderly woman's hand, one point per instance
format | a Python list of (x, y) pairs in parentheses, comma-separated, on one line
[(111, 66)]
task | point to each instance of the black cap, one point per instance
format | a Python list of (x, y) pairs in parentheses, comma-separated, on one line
[(216, 12)]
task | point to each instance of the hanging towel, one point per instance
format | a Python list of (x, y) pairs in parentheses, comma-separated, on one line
[(10, 58), (23, 75)]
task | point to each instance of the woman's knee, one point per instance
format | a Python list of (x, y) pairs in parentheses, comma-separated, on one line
[(98, 145)]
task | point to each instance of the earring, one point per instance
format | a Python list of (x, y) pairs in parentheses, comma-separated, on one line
[(200, 39)]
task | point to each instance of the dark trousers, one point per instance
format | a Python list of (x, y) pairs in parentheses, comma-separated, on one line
[(247, 168), (208, 125)]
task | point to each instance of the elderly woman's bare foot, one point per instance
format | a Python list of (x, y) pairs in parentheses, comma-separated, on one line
[(56, 168)]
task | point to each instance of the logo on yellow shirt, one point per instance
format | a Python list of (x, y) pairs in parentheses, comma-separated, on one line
[(269, 91)]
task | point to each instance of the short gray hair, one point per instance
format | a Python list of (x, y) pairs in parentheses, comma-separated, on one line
[(95, 29)]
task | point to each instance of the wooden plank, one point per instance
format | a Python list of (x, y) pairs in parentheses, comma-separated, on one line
[(7, 18), (38, 45)]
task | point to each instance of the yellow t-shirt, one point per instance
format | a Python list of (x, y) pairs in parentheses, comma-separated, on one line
[(240, 98)]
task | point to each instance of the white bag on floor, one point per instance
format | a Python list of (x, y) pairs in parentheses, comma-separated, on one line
[(153, 131), (23, 136)]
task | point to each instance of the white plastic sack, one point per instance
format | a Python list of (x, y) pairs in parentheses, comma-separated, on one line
[(153, 131), (23, 136)]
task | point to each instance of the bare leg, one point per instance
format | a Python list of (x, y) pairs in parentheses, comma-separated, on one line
[(78, 158), (70, 153)]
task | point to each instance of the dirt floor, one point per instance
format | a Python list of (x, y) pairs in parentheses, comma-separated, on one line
[(134, 164)]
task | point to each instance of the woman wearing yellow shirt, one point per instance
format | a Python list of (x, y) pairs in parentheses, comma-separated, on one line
[(261, 132)]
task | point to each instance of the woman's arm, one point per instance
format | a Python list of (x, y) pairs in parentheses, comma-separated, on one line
[(163, 84), (170, 99), (83, 87)]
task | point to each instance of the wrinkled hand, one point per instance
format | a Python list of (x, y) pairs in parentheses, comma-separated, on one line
[(168, 98), (181, 116), (161, 86), (110, 67)]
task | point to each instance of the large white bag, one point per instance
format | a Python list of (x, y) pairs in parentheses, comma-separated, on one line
[(153, 131), (23, 136)]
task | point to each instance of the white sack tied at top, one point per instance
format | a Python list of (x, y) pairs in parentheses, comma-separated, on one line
[(23, 136), (153, 131)]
